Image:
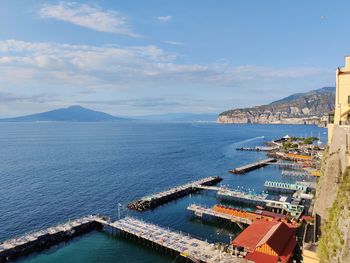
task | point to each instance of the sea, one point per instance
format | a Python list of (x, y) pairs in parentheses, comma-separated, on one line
[(53, 172)]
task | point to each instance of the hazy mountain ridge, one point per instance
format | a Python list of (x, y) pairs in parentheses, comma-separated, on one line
[(299, 108), (70, 114), (80, 114)]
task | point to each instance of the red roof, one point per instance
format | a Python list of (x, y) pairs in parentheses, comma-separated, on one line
[(278, 238), (252, 235), (259, 257), (288, 250), (277, 235)]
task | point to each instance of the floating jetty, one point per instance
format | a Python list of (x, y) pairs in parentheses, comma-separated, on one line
[(288, 165), (277, 203), (200, 211), (296, 173), (234, 215), (152, 201), (43, 239), (285, 187), (172, 242), (252, 166)]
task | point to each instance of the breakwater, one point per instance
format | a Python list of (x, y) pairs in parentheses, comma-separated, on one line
[(152, 201), (37, 241), (252, 166)]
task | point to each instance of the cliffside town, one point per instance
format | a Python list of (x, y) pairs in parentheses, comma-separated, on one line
[(302, 108)]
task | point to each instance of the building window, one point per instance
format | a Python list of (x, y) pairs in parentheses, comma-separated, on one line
[(348, 99), (331, 118)]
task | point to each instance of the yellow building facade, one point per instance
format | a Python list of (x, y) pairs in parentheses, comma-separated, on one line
[(342, 99)]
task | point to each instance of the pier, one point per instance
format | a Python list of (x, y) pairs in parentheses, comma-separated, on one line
[(285, 187), (296, 173), (277, 203), (172, 242), (252, 166), (152, 201), (288, 165), (238, 216), (37, 241), (201, 211), (176, 243)]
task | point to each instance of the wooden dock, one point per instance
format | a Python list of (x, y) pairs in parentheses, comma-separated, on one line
[(252, 166), (288, 165), (173, 242), (277, 203), (152, 201), (234, 215), (200, 211), (300, 174)]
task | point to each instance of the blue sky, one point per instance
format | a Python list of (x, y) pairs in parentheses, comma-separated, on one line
[(149, 57)]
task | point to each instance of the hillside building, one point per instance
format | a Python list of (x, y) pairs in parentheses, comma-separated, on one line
[(341, 115)]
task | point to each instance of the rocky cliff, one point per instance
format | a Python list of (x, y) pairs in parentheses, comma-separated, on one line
[(332, 202), (300, 108)]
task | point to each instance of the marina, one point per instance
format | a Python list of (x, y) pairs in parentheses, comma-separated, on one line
[(287, 208), (252, 166), (152, 201)]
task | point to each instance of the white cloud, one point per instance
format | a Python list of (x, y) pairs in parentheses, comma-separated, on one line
[(89, 17), (73, 72), (175, 43), (113, 66), (164, 18)]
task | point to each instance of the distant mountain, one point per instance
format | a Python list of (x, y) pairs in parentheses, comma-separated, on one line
[(300, 108), (322, 91), (179, 117), (70, 114)]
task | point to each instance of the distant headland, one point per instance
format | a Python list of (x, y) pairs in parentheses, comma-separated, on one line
[(301, 108)]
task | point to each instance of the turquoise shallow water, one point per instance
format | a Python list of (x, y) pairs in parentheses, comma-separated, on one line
[(51, 172)]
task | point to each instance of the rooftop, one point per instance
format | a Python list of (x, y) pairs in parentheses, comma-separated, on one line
[(277, 235)]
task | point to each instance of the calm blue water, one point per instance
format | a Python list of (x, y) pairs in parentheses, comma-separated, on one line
[(50, 172)]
